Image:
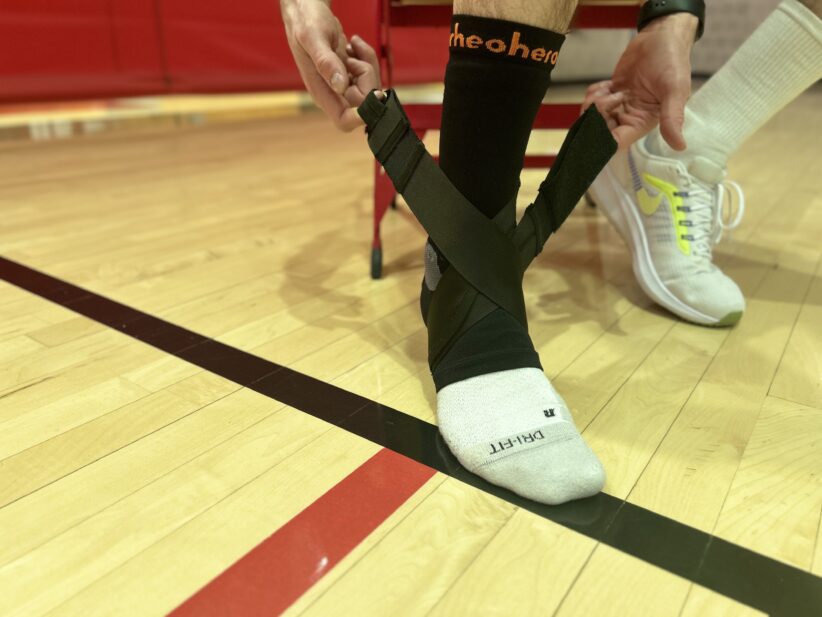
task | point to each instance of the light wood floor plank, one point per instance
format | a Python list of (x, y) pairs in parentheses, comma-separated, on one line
[(694, 466), (349, 305), (411, 568), (223, 533), (593, 378), (775, 500), (628, 430), (53, 572), (64, 331), (20, 345), (58, 507), (64, 454), (799, 377), (703, 602), (615, 584), (42, 363), (364, 548), (526, 569), (68, 381), (31, 427), (817, 560)]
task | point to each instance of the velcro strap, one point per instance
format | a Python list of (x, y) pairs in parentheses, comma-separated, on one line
[(473, 245), (403, 161), (586, 150), (387, 132), (371, 109), (488, 258)]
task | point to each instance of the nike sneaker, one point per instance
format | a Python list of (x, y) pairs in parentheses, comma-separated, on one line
[(671, 216)]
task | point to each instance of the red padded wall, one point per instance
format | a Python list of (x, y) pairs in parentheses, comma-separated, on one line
[(232, 45), (61, 49), (226, 45)]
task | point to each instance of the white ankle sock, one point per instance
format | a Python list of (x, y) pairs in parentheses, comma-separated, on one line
[(514, 430), (781, 59)]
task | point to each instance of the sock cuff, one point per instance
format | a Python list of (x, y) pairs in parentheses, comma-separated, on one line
[(483, 37), (803, 16)]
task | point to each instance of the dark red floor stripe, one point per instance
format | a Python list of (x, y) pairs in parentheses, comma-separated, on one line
[(285, 565)]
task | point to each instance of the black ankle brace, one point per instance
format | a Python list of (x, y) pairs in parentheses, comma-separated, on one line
[(488, 257)]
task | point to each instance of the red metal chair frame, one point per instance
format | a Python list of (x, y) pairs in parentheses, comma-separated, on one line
[(425, 117)]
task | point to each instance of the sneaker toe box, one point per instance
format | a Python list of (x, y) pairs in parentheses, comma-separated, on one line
[(712, 294)]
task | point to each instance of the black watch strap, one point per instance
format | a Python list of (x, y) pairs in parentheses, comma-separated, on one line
[(657, 8)]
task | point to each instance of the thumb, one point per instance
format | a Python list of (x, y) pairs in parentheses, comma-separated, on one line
[(326, 61), (672, 120)]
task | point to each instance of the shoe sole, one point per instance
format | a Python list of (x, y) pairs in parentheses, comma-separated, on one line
[(607, 192)]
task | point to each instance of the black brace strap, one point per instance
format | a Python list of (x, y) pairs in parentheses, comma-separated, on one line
[(487, 257)]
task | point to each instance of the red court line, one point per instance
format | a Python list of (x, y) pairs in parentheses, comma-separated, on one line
[(274, 574)]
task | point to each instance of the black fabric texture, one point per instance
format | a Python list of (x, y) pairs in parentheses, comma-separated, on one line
[(490, 102), (489, 106), (497, 342)]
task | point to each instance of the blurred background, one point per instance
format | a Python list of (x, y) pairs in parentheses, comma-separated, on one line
[(71, 67)]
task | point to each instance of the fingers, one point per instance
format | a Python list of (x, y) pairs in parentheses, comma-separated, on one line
[(595, 91), (325, 98), (626, 135), (326, 60), (363, 65), (609, 103), (672, 122), (363, 51), (633, 123), (672, 119), (349, 120), (600, 85), (342, 76), (363, 81)]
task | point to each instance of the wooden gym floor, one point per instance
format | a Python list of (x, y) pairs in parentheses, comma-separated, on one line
[(205, 402)]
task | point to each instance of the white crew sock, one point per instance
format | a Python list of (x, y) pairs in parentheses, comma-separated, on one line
[(514, 430), (781, 59)]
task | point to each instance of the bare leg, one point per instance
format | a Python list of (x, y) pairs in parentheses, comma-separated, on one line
[(552, 15)]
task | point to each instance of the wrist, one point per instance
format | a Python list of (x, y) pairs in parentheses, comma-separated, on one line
[(298, 12), (683, 25), (297, 4), (690, 16)]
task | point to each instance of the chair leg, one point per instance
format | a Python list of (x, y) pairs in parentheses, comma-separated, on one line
[(384, 196)]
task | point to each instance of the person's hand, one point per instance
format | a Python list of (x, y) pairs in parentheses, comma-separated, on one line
[(363, 72), (651, 83), (337, 74)]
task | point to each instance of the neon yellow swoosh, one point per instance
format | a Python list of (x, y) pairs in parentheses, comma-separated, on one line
[(648, 204)]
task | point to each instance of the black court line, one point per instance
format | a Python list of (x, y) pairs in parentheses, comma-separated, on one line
[(734, 571)]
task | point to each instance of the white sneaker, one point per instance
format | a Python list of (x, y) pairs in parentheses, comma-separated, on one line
[(671, 217)]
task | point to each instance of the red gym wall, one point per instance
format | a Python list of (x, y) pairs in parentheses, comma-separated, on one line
[(64, 49)]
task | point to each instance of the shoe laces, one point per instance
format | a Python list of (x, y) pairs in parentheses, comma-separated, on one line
[(710, 210)]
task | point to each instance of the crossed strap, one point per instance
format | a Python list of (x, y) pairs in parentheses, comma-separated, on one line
[(487, 257)]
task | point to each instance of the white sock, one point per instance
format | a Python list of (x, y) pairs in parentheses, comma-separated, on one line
[(780, 60), (514, 430)]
